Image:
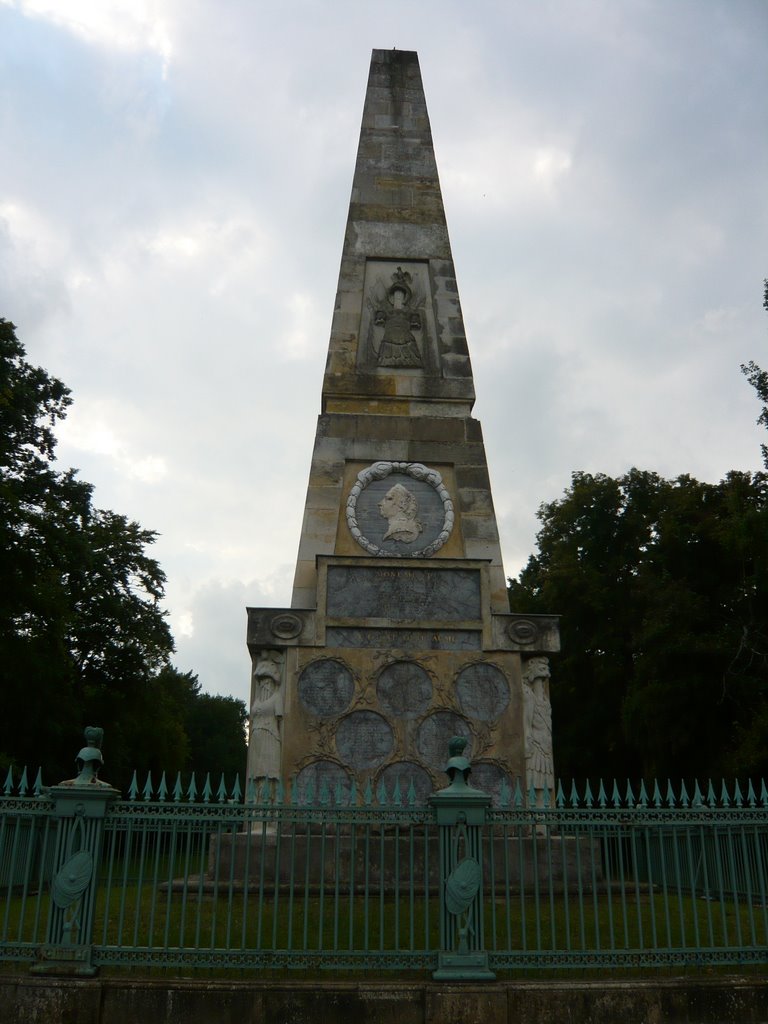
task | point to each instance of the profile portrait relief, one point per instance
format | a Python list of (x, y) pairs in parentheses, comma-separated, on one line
[(401, 510)]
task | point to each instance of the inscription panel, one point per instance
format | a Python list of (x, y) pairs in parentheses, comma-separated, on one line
[(405, 639), (482, 691), (403, 595), (326, 688), (364, 740), (404, 689)]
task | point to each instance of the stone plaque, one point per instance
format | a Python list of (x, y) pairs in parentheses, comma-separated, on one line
[(403, 595), (482, 691), (364, 740), (326, 688), (406, 639), (490, 777), (404, 690), (405, 773), (433, 736), (317, 776)]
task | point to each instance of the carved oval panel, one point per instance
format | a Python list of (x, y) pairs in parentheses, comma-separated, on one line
[(319, 777), (326, 688), (403, 773), (404, 689), (482, 691), (434, 733), (364, 740)]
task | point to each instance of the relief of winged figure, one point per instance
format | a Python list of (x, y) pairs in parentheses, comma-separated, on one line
[(395, 316)]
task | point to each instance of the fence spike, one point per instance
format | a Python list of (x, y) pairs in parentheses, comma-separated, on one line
[(177, 789), (8, 787), (352, 794), (324, 796), (670, 794), (368, 793), (192, 790), (656, 793), (751, 798), (616, 795), (559, 796), (338, 796), (221, 792), (162, 789), (574, 797), (602, 799), (133, 789), (711, 798), (381, 794), (517, 794), (207, 789), (589, 800), (37, 785), (237, 792), (629, 796), (738, 798), (725, 799), (309, 792), (684, 798), (763, 793), (547, 800), (698, 799), (147, 794), (279, 792), (531, 795), (642, 797), (23, 782), (411, 796), (397, 796)]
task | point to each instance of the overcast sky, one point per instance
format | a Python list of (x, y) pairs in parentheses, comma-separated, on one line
[(174, 184)]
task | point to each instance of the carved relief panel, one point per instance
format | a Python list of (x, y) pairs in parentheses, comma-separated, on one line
[(397, 329)]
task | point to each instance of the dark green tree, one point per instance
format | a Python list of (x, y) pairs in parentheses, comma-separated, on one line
[(663, 590)]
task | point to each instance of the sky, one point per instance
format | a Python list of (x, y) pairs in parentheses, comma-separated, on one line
[(174, 185)]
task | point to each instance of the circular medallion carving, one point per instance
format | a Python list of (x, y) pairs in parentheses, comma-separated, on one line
[(482, 691), (404, 689), (316, 775), (364, 739), (404, 773), (326, 688), (434, 733), (490, 777), (285, 626), (522, 631), (400, 509)]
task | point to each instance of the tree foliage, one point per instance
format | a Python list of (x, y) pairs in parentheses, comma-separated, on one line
[(83, 636), (663, 590)]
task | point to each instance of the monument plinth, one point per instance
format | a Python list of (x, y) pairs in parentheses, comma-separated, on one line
[(399, 634)]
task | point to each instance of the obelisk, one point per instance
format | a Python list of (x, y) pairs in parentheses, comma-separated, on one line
[(399, 634)]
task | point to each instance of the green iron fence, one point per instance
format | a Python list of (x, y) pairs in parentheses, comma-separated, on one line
[(199, 878)]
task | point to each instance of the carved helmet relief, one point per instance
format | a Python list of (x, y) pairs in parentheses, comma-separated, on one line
[(396, 321), (409, 517)]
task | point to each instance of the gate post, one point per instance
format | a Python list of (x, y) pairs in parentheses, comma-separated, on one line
[(80, 806), (460, 813)]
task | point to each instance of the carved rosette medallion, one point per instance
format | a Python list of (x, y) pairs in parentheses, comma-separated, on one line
[(400, 510)]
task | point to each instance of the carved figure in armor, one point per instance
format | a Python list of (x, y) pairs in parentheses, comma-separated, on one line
[(400, 507), (537, 720), (398, 315), (266, 718)]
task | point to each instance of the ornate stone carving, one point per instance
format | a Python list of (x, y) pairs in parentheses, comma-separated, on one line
[(266, 719), (522, 631), (388, 517), (326, 688), (285, 626), (537, 723), (396, 321), (482, 691)]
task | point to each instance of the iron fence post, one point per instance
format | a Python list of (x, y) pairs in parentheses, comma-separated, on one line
[(460, 813)]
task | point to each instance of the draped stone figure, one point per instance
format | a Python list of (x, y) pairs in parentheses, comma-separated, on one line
[(266, 718), (537, 722)]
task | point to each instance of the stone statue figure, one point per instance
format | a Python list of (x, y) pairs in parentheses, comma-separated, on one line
[(397, 315), (537, 721), (266, 719), (401, 509)]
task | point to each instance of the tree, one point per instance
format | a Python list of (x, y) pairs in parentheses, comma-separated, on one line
[(663, 590), (83, 635), (759, 380)]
